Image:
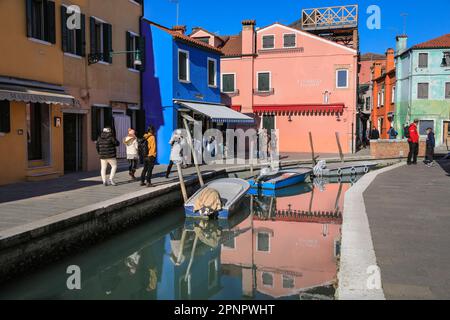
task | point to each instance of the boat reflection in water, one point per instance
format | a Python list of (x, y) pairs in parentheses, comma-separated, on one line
[(282, 246)]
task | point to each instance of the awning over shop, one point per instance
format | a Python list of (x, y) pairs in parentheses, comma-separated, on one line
[(217, 112), (299, 108), (28, 95)]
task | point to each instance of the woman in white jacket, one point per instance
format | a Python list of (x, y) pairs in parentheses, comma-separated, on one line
[(132, 152), (176, 153)]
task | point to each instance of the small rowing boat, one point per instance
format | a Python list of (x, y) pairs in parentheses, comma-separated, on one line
[(273, 180)]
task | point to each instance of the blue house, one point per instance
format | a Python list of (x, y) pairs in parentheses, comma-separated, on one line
[(182, 75)]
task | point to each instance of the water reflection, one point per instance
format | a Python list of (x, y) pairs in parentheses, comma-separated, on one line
[(282, 245)]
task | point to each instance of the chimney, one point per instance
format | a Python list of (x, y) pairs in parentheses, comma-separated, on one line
[(376, 70), (390, 59), (402, 44), (179, 29), (248, 37)]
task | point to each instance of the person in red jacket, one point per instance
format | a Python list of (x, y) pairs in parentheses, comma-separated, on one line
[(413, 141)]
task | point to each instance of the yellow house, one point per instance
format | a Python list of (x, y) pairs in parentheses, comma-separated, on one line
[(60, 84)]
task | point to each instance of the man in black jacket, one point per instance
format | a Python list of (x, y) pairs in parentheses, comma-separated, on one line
[(106, 148)]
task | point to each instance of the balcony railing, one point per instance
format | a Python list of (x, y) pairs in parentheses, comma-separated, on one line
[(263, 93)]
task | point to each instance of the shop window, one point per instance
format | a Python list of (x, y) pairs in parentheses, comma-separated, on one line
[(5, 116), (101, 39), (38, 131), (41, 20), (73, 40), (101, 117)]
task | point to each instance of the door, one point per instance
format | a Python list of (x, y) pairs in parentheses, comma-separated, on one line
[(73, 142), (446, 133), (122, 123)]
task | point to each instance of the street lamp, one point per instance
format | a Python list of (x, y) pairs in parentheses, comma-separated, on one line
[(94, 58)]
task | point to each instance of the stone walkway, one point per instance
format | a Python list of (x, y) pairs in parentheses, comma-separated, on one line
[(409, 216)]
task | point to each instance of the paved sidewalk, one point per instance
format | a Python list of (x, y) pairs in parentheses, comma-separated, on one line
[(409, 216)]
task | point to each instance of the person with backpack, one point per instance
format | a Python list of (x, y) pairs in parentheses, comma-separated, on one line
[(431, 144), (148, 146), (132, 146), (106, 147), (413, 141), (392, 133), (406, 131), (375, 134)]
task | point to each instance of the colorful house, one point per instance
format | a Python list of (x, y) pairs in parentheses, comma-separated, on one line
[(423, 86), (383, 93), (293, 81), (181, 77)]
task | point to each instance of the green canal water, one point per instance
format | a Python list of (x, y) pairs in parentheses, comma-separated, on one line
[(282, 246)]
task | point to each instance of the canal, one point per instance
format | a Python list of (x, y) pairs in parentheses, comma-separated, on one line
[(279, 246)]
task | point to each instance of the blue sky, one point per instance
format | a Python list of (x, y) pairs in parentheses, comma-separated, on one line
[(224, 17)]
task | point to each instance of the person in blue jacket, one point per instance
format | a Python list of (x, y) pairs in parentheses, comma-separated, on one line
[(431, 143)]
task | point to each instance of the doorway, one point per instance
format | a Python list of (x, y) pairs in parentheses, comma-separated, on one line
[(446, 133), (73, 155)]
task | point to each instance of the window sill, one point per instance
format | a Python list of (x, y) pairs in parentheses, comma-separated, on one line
[(40, 41), (2, 134), (184, 81), (134, 70), (104, 63), (212, 87), (72, 55)]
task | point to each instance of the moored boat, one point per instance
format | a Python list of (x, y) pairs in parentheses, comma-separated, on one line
[(281, 179)]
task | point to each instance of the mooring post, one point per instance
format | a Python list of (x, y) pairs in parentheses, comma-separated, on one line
[(251, 156), (312, 149), (182, 184), (341, 155), (194, 155)]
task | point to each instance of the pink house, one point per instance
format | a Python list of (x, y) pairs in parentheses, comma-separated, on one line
[(290, 80)]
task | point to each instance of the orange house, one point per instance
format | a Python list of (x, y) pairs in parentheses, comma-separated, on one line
[(384, 84)]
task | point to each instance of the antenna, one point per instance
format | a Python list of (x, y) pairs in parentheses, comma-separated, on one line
[(177, 2), (405, 20)]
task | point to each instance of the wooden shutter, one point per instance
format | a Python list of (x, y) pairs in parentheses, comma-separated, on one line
[(141, 47), (29, 20), (130, 62), (107, 33), (50, 23), (81, 37), (5, 117), (447, 90), (93, 39), (64, 30), (108, 116), (95, 125)]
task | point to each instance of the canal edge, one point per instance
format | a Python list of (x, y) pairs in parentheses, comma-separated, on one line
[(357, 251)]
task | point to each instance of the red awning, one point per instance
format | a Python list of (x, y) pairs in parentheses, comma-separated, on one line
[(300, 108)]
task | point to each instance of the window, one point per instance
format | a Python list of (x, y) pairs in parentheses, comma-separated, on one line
[(101, 117), (229, 83), (135, 50), (447, 90), (424, 125), (422, 90), (423, 60), (38, 131), (379, 99), (230, 243), (326, 97), (380, 125), (212, 72), (101, 39), (289, 40), (264, 81), (382, 97), (446, 60), (203, 39), (267, 279), (288, 282), (342, 78), (137, 1), (368, 106), (5, 116), (393, 95), (41, 20), (73, 41), (263, 242), (183, 66), (268, 42)]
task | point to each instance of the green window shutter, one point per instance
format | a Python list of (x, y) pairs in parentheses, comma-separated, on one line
[(64, 29), (5, 116), (92, 35), (50, 23), (83, 36), (108, 116), (29, 20), (95, 125), (107, 49), (141, 47), (130, 59)]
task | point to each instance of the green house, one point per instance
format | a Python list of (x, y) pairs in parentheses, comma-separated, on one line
[(423, 86)]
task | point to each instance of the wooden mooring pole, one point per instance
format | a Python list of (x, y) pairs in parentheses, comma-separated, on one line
[(341, 154), (194, 154), (312, 149), (182, 184)]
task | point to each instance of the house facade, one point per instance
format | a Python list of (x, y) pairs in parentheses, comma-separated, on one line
[(53, 100), (292, 81), (423, 86), (383, 93)]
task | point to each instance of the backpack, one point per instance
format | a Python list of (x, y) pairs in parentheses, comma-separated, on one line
[(143, 148), (406, 132)]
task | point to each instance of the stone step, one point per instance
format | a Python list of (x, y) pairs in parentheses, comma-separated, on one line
[(42, 176)]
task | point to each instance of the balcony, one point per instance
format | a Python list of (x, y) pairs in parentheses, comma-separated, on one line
[(263, 93)]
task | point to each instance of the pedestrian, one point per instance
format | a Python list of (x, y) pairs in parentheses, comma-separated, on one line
[(406, 131), (106, 147), (431, 143), (149, 157), (392, 133), (176, 153), (413, 141), (375, 134), (132, 145)]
